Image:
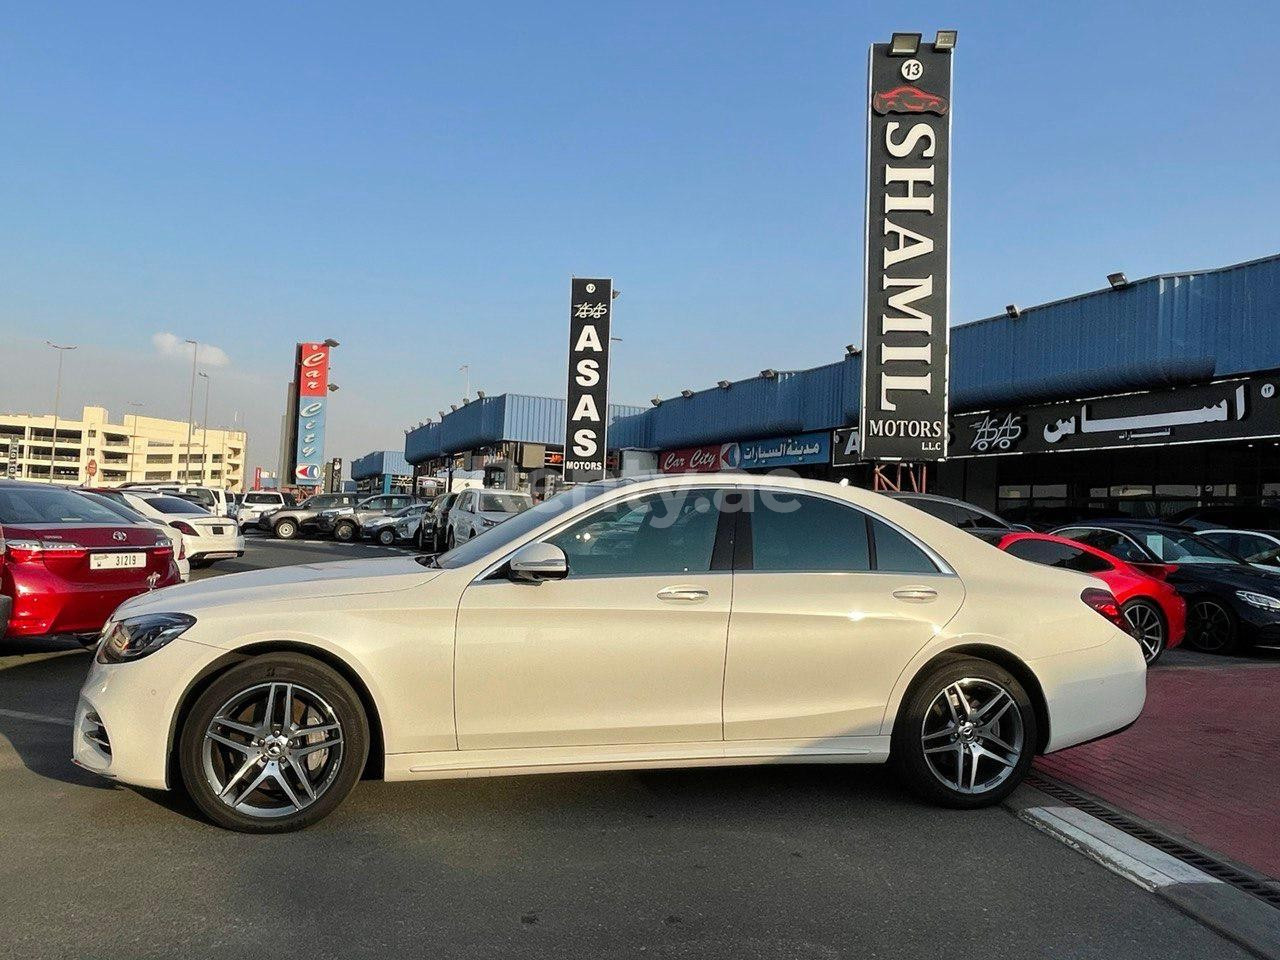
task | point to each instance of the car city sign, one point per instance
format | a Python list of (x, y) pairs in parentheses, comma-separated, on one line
[(791, 451), (313, 391), (1240, 409), (587, 400), (905, 340)]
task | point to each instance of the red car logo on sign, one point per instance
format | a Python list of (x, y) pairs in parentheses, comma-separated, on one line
[(908, 99)]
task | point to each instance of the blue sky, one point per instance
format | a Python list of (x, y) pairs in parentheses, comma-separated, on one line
[(420, 181)]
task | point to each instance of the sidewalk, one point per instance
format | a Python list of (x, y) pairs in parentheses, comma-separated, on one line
[(1203, 761)]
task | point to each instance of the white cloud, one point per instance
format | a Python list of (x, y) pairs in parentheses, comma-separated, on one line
[(169, 345)]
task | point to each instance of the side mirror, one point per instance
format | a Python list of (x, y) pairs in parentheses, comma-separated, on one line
[(535, 562)]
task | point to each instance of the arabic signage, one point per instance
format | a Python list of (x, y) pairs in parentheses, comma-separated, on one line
[(1228, 410), (590, 307), (844, 447), (313, 392), (793, 451), (904, 334)]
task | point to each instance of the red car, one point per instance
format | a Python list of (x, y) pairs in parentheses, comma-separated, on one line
[(909, 99), (1157, 615), (67, 562)]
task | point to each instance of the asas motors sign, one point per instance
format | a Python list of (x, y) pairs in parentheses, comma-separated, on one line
[(313, 391), (590, 307), (904, 375)]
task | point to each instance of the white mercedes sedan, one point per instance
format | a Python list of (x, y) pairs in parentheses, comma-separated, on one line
[(659, 622)]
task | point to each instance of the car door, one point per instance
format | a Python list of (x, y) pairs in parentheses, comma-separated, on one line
[(460, 516), (829, 606), (627, 649)]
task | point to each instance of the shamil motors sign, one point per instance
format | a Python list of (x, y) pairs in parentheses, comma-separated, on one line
[(904, 374)]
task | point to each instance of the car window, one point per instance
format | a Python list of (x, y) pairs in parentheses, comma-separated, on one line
[(375, 503), (30, 505), (1109, 541), (176, 505), (958, 515), (804, 533), (1172, 547), (504, 503), (648, 535), (895, 553), (1052, 554)]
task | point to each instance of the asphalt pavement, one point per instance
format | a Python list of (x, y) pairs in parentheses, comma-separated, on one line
[(774, 861)]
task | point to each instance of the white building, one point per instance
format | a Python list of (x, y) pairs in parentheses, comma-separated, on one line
[(95, 451)]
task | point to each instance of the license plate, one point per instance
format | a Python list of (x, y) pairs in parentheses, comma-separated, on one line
[(219, 531), (116, 561)]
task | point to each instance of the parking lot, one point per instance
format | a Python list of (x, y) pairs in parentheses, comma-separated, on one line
[(765, 862)]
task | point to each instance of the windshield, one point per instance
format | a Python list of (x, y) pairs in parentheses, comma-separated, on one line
[(176, 505), (51, 505), (494, 539), (1182, 548), (125, 511), (503, 503)]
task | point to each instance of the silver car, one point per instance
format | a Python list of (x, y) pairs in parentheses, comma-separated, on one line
[(401, 525)]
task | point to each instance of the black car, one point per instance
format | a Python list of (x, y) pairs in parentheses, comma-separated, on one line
[(434, 523), (1229, 603), (1229, 516), (983, 524)]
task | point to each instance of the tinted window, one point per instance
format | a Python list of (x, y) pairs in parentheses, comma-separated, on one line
[(503, 503), (647, 535), (1052, 554), (897, 554), (1108, 541), (33, 505), (175, 505), (261, 498), (808, 533), (966, 518)]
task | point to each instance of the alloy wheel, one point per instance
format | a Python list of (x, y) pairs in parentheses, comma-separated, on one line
[(1148, 629), (972, 735), (1210, 625), (272, 750)]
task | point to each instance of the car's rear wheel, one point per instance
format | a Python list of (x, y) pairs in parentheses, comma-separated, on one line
[(386, 536), (966, 734), (344, 531), (1211, 627), (1148, 626), (274, 744), (286, 529)]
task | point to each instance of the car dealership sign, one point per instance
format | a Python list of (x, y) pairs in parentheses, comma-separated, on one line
[(905, 339), (1242, 409), (790, 451), (590, 308), (313, 391)]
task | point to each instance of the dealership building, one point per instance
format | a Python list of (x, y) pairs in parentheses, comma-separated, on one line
[(1143, 398)]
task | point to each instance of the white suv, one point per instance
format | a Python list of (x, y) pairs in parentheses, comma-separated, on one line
[(256, 503), (477, 510), (214, 499)]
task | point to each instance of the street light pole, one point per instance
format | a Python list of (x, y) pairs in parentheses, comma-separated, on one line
[(191, 409), (133, 440), (57, 402), (204, 432)]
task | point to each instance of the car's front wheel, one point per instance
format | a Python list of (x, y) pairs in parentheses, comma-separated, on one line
[(386, 536), (1211, 626), (345, 531), (286, 529), (966, 734), (274, 744)]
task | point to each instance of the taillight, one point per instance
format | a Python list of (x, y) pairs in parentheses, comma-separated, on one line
[(182, 550), (185, 527), (27, 551), (1105, 604)]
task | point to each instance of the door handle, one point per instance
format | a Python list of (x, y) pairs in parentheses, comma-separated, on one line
[(683, 594), (917, 594)]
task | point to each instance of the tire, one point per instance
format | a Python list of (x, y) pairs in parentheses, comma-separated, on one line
[(1212, 627), (344, 531), (1149, 627), (387, 537), (943, 775), (286, 529), (319, 696)]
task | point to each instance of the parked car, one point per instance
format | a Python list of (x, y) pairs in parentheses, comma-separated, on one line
[(854, 639), (983, 524), (435, 522), (258, 502), (1229, 517), (1229, 603), (115, 501), (1157, 615), (346, 522), (1261, 550), (206, 538), (401, 525), (287, 522), (215, 500), (67, 561), (477, 509)]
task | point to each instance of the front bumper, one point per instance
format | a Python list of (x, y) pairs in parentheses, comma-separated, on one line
[(132, 707)]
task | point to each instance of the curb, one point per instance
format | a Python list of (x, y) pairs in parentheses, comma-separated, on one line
[(1235, 915)]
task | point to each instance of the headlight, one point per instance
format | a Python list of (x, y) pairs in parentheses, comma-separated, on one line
[(488, 523), (135, 637), (1259, 600)]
